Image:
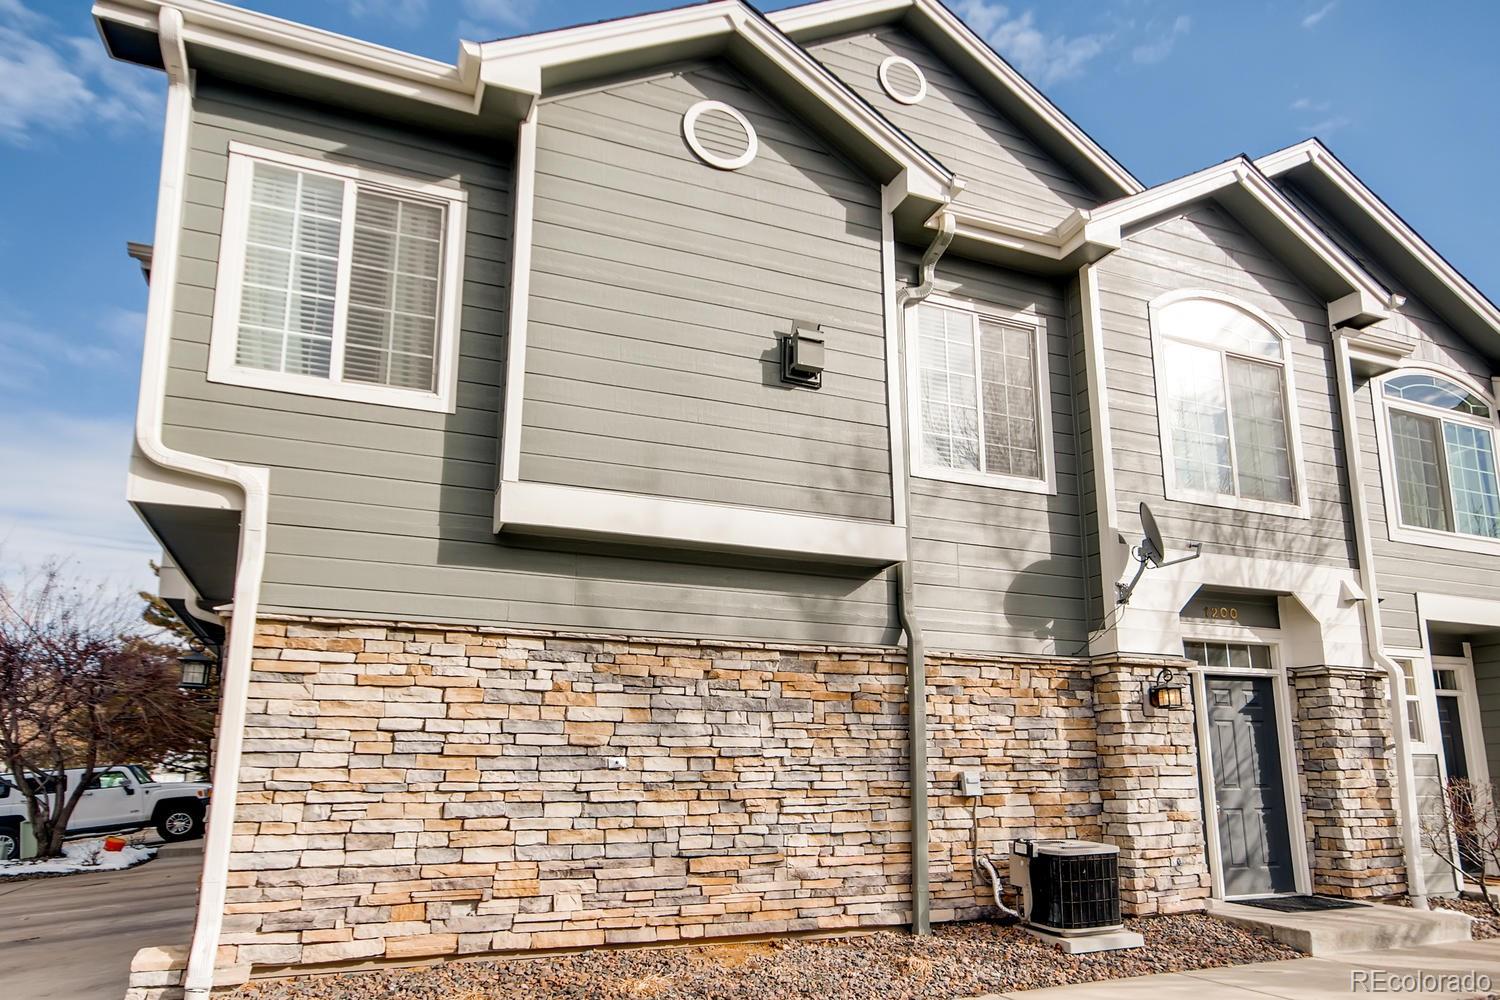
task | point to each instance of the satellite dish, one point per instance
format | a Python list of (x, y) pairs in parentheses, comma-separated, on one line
[(1151, 552), (1153, 549)]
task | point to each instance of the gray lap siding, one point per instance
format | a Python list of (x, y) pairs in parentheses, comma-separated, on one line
[(659, 285), (385, 513)]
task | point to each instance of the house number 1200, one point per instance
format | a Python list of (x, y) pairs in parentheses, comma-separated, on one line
[(1233, 614)]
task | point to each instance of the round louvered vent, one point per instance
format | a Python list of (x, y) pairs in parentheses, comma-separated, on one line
[(719, 135), (903, 80)]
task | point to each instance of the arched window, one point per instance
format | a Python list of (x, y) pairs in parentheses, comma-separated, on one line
[(1224, 399), (1440, 455)]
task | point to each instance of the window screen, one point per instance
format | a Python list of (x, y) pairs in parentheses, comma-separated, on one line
[(341, 280), (976, 379)]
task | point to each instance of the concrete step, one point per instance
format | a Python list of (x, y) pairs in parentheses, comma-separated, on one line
[(1369, 927)]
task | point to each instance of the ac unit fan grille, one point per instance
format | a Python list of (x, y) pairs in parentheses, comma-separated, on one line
[(1075, 893)]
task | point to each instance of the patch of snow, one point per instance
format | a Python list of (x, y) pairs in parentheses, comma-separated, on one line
[(80, 856)]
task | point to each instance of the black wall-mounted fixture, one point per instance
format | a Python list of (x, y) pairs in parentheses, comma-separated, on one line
[(1165, 694), (802, 355)]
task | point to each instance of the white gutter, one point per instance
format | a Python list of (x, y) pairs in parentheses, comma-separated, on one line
[(1406, 790), (251, 481)]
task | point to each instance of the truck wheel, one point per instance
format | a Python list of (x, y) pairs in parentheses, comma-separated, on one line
[(10, 842), (179, 822)]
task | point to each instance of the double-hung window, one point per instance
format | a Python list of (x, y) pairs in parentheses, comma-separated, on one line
[(1225, 403), (1439, 456), (337, 281), (980, 413)]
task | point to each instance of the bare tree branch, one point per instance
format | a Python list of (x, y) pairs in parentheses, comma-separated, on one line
[(84, 683)]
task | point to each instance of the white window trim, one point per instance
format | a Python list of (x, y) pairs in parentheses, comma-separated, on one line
[(225, 330), (1298, 509), (1395, 530), (1023, 320)]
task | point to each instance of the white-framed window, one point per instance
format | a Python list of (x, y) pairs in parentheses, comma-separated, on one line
[(1226, 404), (981, 402), (1437, 458), (338, 281), (1411, 694)]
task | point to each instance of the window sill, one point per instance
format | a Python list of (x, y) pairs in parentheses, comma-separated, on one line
[(302, 385), (1433, 539), (1013, 483), (1230, 502)]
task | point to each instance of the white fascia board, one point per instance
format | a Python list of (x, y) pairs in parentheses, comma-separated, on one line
[(1242, 174), (831, 16), (149, 483), (1073, 242), (299, 47), (1314, 154), (634, 519), (522, 64)]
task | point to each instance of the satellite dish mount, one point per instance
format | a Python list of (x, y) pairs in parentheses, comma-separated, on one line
[(1151, 552)]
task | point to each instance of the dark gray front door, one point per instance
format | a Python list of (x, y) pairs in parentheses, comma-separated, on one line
[(1254, 847)]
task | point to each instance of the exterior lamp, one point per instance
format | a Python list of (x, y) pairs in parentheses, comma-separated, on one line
[(1165, 694), (197, 671)]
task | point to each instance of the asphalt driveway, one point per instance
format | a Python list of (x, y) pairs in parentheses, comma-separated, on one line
[(72, 938)]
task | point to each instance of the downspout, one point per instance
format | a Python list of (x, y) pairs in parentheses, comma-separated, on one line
[(1406, 790), (916, 646), (251, 481)]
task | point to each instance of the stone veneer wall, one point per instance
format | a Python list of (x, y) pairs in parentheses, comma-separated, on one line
[(414, 791), (1148, 777), (1345, 752)]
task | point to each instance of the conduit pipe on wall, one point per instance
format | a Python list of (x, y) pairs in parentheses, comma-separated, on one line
[(1406, 791), (251, 482), (916, 646)]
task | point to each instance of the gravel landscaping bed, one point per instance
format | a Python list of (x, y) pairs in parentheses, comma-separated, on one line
[(959, 960), (1486, 924)]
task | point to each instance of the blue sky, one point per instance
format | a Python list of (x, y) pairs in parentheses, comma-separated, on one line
[(1407, 99)]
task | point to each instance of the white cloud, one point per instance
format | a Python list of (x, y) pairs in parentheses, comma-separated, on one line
[(1042, 58), (1155, 51), (488, 19), (1311, 20), (37, 89), (1327, 125), (49, 82), (1308, 104), (28, 351), (404, 12), (63, 497)]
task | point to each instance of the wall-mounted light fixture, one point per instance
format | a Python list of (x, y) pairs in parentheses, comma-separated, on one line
[(198, 670), (1165, 694), (802, 355)]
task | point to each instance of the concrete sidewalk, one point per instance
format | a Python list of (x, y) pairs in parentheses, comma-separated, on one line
[(1347, 975)]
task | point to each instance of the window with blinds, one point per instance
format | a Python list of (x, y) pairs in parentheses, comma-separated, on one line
[(335, 281), (1441, 448), (978, 410), (1225, 399)]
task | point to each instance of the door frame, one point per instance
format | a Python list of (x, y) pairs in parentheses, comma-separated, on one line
[(1290, 785), (1468, 714)]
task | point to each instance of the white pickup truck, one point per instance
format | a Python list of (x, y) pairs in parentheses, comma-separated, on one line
[(121, 798)]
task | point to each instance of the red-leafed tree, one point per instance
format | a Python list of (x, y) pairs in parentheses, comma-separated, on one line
[(83, 685)]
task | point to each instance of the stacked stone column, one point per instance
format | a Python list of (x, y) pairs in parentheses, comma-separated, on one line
[(1346, 752), (1148, 784)]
